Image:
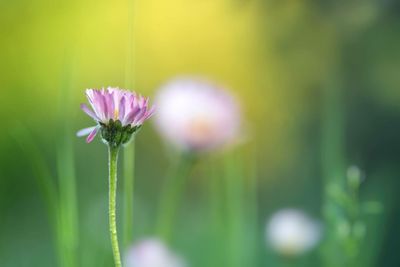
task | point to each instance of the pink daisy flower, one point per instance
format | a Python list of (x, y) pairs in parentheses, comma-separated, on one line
[(118, 114), (152, 253), (291, 232), (196, 115)]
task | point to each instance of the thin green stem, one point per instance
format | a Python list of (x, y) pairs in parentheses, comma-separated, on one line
[(129, 177), (113, 160), (172, 195)]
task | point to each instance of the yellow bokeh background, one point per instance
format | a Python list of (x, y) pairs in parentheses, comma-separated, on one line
[(235, 43)]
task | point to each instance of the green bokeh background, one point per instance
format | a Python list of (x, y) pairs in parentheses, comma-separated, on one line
[(275, 56)]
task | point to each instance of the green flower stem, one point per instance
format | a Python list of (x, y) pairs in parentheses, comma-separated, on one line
[(113, 160), (129, 178), (171, 196)]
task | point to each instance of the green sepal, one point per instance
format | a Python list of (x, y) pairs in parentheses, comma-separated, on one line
[(114, 134)]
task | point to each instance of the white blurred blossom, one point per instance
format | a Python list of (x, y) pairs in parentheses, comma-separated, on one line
[(196, 115), (291, 232), (152, 253)]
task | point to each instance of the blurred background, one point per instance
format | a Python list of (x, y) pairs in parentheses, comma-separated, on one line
[(318, 84)]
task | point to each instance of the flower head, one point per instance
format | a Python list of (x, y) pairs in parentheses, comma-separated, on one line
[(290, 232), (118, 113), (152, 253), (196, 115)]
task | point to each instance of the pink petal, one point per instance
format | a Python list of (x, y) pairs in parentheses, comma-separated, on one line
[(109, 103), (146, 102), (130, 117), (93, 97), (140, 116), (122, 108), (85, 131), (97, 102), (146, 115), (88, 111), (135, 102), (92, 134), (150, 112), (103, 105), (142, 102)]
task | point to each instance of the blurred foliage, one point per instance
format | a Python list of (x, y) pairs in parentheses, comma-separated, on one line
[(276, 56)]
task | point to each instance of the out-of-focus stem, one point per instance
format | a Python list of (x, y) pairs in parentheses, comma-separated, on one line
[(129, 151), (332, 146), (129, 179), (129, 68), (40, 169), (252, 212), (216, 201), (68, 232), (172, 195), (113, 160), (333, 161), (234, 209)]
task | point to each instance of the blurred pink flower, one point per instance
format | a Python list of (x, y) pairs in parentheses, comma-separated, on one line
[(116, 105), (291, 232), (152, 253), (196, 115)]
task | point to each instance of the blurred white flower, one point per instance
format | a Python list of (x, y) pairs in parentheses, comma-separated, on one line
[(152, 253), (291, 232), (196, 115)]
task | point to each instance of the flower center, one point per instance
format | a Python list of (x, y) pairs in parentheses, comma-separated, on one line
[(201, 131), (116, 114)]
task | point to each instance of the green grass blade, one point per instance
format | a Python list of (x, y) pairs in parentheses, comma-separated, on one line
[(41, 171), (129, 151), (68, 221)]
